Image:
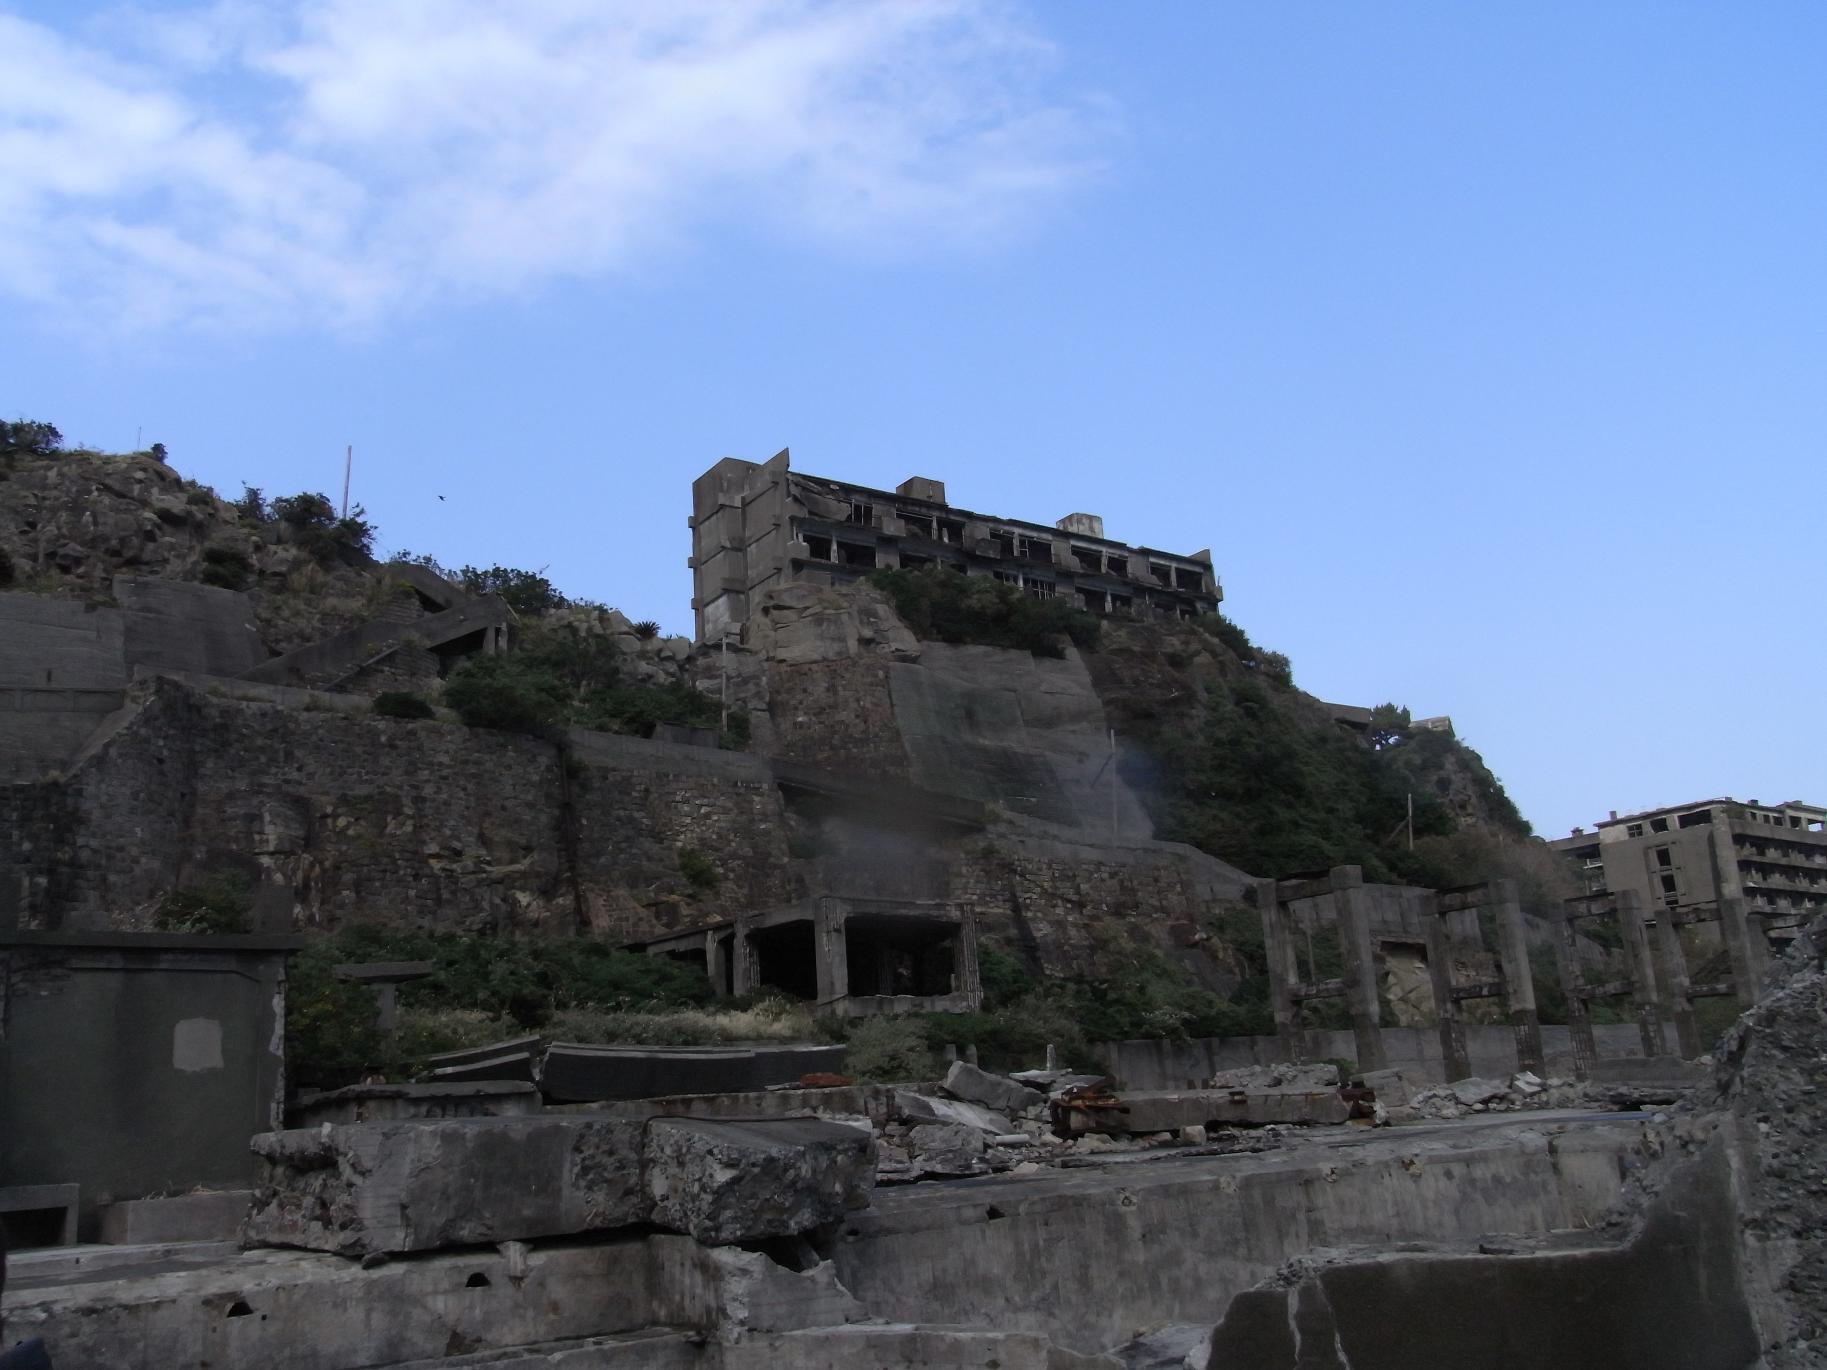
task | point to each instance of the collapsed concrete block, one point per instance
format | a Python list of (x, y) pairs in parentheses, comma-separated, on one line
[(1302, 1078), (205, 1216), (1390, 1086), (1477, 1091), (947, 1148), (965, 1081), (420, 1185), (726, 1182), (924, 1108), (732, 1292)]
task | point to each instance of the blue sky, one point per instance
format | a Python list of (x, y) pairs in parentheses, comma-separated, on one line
[(1485, 346)]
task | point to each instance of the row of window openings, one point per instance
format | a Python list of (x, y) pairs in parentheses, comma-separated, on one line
[(1022, 547)]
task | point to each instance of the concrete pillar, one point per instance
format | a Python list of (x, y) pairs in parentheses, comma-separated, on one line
[(1642, 971), (966, 978), (1747, 947), (1455, 1059), (1360, 965), (745, 977), (1579, 1013), (715, 959), (1676, 984), (1518, 976), (1284, 968), (831, 950)]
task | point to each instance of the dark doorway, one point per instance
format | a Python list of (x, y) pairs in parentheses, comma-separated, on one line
[(786, 959), (900, 955)]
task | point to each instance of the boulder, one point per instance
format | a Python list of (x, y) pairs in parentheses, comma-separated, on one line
[(727, 1182), (965, 1081)]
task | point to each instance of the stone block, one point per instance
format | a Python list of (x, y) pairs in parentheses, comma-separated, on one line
[(947, 1148), (1390, 1086), (1478, 1091), (725, 1182), (421, 1185), (965, 1081)]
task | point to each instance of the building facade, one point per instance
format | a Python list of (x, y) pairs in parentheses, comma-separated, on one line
[(1774, 857), (758, 525)]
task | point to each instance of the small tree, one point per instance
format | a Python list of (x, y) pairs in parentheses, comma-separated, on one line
[(28, 438)]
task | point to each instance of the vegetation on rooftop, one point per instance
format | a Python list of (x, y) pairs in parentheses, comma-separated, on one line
[(939, 604)]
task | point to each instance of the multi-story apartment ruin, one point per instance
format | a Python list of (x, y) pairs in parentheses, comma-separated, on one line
[(756, 525), (1774, 857)]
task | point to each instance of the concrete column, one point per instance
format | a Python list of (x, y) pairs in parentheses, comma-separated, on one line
[(746, 973), (832, 950), (1284, 969), (1579, 1013), (1455, 1059), (1747, 947), (1518, 976), (1642, 971), (714, 959), (1360, 965), (966, 978), (1676, 984)]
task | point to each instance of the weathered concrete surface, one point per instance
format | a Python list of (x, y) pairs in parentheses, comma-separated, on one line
[(1670, 1297), (724, 1181), (205, 1216), (998, 1092), (734, 1292), (384, 1103), (420, 1185), (1156, 1111), (417, 1186), (1035, 1252), (304, 1311)]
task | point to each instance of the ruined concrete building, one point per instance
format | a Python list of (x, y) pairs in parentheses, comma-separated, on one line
[(757, 526), (1772, 857)]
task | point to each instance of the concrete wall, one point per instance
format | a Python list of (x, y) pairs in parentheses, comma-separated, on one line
[(1150, 1064), (136, 1063)]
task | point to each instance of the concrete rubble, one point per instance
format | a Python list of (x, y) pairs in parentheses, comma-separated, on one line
[(382, 1188)]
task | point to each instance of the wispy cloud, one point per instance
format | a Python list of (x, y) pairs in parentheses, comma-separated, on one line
[(329, 162)]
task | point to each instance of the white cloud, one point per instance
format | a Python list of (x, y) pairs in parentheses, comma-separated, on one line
[(333, 161)]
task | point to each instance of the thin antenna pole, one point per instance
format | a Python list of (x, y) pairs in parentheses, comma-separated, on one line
[(348, 465)]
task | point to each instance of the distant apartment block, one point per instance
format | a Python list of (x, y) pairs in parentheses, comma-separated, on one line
[(756, 525), (1774, 857)]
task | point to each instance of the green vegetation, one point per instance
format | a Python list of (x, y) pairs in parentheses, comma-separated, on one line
[(402, 704), (28, 438), (697, 869), (941, 604), (890, 1050), (526, 592), (218, 903), (511, 984)]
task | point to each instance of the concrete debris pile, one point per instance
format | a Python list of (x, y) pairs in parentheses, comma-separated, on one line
[(1526, 1090)]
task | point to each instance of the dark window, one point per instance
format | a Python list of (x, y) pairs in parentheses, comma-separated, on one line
[(1634, 830), (1005, 542), (1119, 604), (1698, 818), (818, 548), (920, 525), (1658, 825), (852, 554), (1036, 549), (1187, 580), (1163, 575), (1092, 599), (1089, 558), (909, 560), (1668, 884), (1664, 857), (862, 513), (951, 530)]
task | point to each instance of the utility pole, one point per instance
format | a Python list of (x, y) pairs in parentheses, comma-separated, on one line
[(1411, 820), (348, 465)]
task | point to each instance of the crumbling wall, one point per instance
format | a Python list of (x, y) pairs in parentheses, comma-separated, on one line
[(838, 715)]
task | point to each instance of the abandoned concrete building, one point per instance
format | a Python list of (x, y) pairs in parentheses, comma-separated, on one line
[(1772, 857), (759, 525), (850, 956)]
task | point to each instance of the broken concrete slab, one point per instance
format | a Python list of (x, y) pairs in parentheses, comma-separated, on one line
[(928, 1108), (368, 1188), (965, 1081), (1478, 1091), (1301, 1077), (724, 1182), (733, 1292), (417, 1185), (944, 1149)]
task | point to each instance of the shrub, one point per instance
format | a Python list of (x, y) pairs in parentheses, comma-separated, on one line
[(890, 1050), (507, 692), (940, 604), (332, 1029), (28, 438), (698, 870), (526, 592), (252, 505), (402, 704), (646, 629), (637, 709), (310, 521)]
